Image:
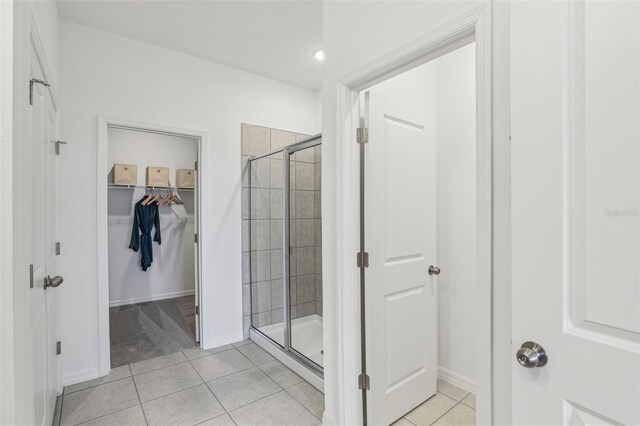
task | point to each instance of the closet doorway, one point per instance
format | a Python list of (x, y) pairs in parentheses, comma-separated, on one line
[(148, 261)]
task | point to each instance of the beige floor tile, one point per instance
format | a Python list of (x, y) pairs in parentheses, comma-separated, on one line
[(156, 363), (278, 409), (460, 415), (194, 353), (470, 400), (241, 388), (98, 401), (451, 390), (281, 374), (115, 374), (221, 364), (311, 398), (430, 410), (256, 354), (164, 381), (187, 407), (223, 420), (129, 416), (242, 343), (402, 422)]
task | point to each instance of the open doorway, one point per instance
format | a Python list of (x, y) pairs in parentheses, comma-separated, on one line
[(420, 231), (151, 250)]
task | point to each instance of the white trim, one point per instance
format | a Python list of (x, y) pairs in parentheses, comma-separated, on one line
[(102, 239), (475, 25), (80, 376), (161, 296), (457, 379)]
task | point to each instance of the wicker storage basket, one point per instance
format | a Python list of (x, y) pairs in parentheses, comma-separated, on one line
[(125, 174), (185, 178), (157, 176)]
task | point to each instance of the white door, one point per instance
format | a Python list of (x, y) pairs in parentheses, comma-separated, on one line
[(196, 248), (40, 179), (400, 237), (575, 210)]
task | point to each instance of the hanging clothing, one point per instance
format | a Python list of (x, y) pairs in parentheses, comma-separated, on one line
[(144, 218)]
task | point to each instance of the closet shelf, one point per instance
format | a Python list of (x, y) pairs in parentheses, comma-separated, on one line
[(112, 185)]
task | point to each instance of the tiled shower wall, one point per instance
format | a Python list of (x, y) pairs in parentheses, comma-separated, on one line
[(263, 281)]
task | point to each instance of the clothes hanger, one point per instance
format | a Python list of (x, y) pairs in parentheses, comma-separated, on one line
[(147, 198)]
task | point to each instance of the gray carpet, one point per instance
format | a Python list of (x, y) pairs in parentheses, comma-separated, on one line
[(147, 330)]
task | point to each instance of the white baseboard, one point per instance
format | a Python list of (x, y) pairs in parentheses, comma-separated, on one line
[(162, 296), (328, 420), (457, 379), (80, 376), (225, 340)]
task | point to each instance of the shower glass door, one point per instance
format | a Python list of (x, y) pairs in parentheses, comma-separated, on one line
[(285, 239), (305, 251)]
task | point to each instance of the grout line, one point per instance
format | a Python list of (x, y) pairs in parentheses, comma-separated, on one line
[(300, 402), (160, 368), (209, 389), (404, 417), (445, 413), (135, 385), (108, 414), (95, 386)]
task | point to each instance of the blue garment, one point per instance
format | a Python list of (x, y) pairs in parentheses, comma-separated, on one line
[(145, 217)]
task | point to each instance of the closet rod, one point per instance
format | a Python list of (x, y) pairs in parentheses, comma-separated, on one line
[(113, 185)]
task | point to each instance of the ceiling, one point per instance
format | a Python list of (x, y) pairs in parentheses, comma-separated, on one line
[(275, 39)]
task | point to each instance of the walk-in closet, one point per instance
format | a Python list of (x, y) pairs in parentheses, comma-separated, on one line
[(152, 204)]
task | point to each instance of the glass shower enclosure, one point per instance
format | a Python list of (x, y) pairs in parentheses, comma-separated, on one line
[(285, 233)]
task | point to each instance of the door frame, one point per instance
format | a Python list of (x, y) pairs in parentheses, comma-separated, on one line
[(473, 26), (102, 228)]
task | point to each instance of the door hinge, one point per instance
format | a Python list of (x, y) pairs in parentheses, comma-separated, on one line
[(362, 135), (30, 276), (58, 143), (31, 82), (58, 248), (362, 259), (364, 382), (197, 309), (196, 238), (58, 347), (195, 166)]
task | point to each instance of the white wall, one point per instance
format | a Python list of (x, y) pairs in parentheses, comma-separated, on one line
[(356, 34), (445, 88), (457, 253), (105, 74), (172, 272)]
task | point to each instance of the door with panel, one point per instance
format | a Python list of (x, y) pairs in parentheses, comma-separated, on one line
[(575, 113), (40, 185), (400, 238)]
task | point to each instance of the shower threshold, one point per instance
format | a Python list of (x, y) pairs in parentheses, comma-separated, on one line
[(306, 339), (306, 336)]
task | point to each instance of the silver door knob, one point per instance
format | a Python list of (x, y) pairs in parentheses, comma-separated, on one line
[(434, 270), (531, 355), (52, 282)]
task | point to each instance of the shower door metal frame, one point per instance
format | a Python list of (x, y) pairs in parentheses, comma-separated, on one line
[(286, 248)]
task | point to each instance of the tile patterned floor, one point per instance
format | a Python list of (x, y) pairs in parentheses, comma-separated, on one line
[(450, 406), (239, 384), (151, 329)]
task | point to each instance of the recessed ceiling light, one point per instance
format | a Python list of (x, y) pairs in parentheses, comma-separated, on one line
[(319, 54)]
